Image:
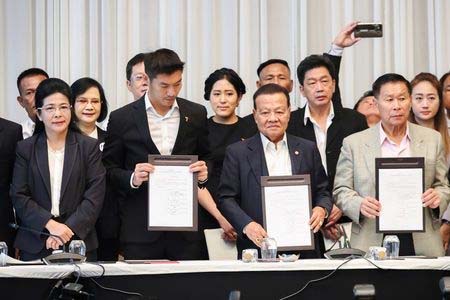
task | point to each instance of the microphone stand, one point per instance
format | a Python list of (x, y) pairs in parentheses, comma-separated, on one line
[(346, 251), (56, 258)]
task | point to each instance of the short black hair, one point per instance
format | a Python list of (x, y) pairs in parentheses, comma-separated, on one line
[(270, 89), (230, 75), (28, 73), (441, 81), (49, 87), (138, 58), (387, 78), (366, 94), (272, 62), (162, 61), (82, 85), (312, 62)]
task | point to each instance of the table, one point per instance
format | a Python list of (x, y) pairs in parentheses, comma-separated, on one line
[(398, 279)]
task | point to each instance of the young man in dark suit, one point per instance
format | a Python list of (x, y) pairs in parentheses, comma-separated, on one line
[(10, 134), (157, 123), (271, 152)]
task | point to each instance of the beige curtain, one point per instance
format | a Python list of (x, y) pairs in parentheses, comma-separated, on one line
[(76, 38)]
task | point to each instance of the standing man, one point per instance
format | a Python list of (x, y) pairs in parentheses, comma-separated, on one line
[(270, 152), (27, 83), (393, 136), (10, 134), (323, 120), (158, 123), (137, 80)]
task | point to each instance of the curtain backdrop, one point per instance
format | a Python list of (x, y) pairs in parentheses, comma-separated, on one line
[(76, 38)]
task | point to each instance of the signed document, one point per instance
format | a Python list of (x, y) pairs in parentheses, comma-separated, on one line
[(400, 185), (287, 210), (172, 194)]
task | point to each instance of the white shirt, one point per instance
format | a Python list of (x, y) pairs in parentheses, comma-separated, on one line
[(163, 129), (27, 128), (55, 166), (391, 149), (277, 156), (321, 136), (94, 133)]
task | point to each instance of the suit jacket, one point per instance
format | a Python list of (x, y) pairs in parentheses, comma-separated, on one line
[(355, 179), (129, 142), (10, 134), (345, 122), (82, 189), (240, 183)]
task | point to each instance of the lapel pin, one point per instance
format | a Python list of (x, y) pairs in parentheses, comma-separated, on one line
[(296, 152), (187, 119)]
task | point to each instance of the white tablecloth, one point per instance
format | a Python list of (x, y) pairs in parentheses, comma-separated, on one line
[(122, 268)]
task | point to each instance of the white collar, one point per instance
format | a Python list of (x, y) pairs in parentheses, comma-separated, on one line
[(308, 113), (265, 141), (148, 105)]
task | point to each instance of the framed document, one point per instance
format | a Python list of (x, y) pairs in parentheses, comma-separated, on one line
[(286, 206), (399, 187), (172, 194)]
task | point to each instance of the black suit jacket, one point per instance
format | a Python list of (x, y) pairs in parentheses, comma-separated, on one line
[(82, 189), (129, 142), (345, 122), (10, 134), (240, 183)]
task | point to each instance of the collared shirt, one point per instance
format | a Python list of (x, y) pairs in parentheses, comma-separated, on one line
[(391, 149), (163, 129), (28, 128), (321, 136), (55, 166), (277, 156)]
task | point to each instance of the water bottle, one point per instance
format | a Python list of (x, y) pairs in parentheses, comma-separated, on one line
[(3, 253), (392, 245), (77, 247), (269, 249)]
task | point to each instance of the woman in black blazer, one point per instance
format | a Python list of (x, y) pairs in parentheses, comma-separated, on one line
[(90, 107), (59, 180)]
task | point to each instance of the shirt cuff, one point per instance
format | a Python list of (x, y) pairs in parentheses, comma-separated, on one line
[(336, 50), (131, 182)]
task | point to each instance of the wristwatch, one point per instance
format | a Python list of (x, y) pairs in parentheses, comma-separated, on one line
[(444, 221), (202, 183)]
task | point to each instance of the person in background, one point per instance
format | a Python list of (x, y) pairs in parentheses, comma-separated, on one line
[(27, 83), (90, 107), (137, 80), (224, 90), (10, 135), (445, 88), (366, 106), (59, 181)]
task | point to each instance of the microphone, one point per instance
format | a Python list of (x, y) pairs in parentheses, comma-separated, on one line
[(55, 258), (17, 226), (346, 251)]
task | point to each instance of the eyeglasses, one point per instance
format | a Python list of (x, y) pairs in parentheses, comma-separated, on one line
[(51, 109), (85, 101)]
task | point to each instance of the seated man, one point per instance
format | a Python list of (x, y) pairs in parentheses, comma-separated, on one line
[(270, 152), (394, 136)]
